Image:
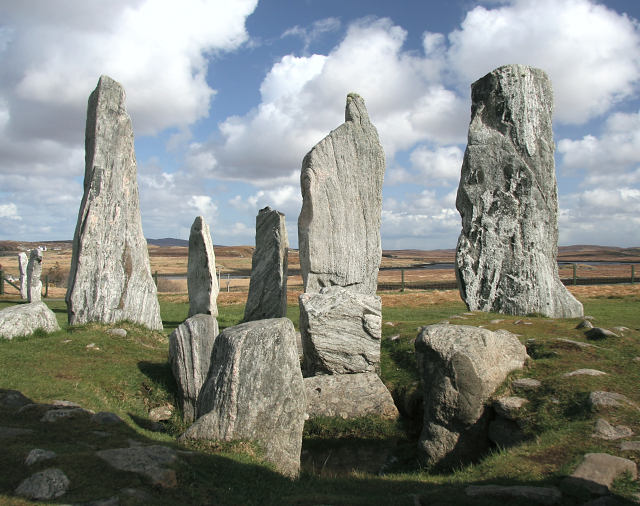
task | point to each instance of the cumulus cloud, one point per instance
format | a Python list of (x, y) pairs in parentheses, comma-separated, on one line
[(9, 211)]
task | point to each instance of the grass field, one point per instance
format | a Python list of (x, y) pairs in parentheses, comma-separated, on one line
[(341, 460)]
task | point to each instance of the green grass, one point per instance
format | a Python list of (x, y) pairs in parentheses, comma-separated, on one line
[(130, 375)]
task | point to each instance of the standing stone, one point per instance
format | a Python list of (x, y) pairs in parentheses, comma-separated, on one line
[(506, 253), (110, 277), (22, 266), (190, 347), (339, 225), (268, 288), (34, 271), (201, 271), (255, 392)]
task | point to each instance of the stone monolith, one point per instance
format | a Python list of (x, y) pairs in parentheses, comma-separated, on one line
[(506, 253), (34, 272), (268, 287), (22, 267), (339, 225), (201, 270), (110, 277)]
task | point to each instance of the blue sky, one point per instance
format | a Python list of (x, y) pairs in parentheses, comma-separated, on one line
[(226, 97)]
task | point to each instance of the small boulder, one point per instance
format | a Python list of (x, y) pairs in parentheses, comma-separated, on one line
[(25, 319), (117, 332), (526, 384), (597, 333), (508, 407), (160, 413), (584, 372), (38, 455), (604, 430), (150, 461), (630, 446), (604, 400), (597, 472), (12, 400), (505, 433), (585, 324), (106, 418), (45, 485)]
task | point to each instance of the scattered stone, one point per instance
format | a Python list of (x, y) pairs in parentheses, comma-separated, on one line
[(160, 413), (202, 282), (348, 396), (190, 347), (496, 321), (577, 344), (395, 338), (460, 367), (53, 415), (339, 224), (92, 346), (526, 384), (66, 341), (603, 400), (22, 267), (630, 446), (65, 404), (12, 400), (505, 433), (507, 198), (255, 391), (604, 430), (45, 485), (621, 330), (390, 324), (150, 461), (268, 286), (110, 277), (34, 271), (38, 455), (11, 432), (600, 333), (537, 495), (509, 407), (584, 372), (585, 324), (117, 332), (25, 319), (588, 317), (597, 472)]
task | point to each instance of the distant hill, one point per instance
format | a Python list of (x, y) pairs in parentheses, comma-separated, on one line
[(168, 241)]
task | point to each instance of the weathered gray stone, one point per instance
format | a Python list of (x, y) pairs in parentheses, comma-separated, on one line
[(630, 446), (460, 367), (47, 484), (537, 495), (254, 391), (585, 324), (25, 319), (34, 271), (149, 461), (106, 418), (505, 433), (117, 332), (604, 400), (22, 267), (110, 277), (12, 400), (526, 384), (202, 282), (38, 455), (506, 253), (509, 407), (339, 225), (54, 415), (190, 347), (341, 331), (604, 430), (160, 413), (599, 333), (577, 344), (584, 372), (348, 396), (597, 472), (269, 267)]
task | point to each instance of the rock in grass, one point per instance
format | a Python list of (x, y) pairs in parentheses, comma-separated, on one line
[(22, 267), (597, 472), (584, 372), (630, 446), (12, 400), (533, 495), (507, 198), (598, 333), (34, 272), (339, 224), (341, 331), (150, 461), (201, 271), (526, 384), (604, 430), (38, 455), (585, 324), (45, 485), (190, 347), (254, 391), (604, 400), (25, 319), (348, 396), (460, 367), (110, 277), (269, 267), (509, 407)]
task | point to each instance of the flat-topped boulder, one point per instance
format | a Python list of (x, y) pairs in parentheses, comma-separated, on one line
[(25, 319), (202, 282)]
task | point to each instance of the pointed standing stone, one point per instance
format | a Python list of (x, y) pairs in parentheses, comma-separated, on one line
[(268, 288), (22, 266), (508, 199), (201, 271), (34, 271), (110, 277)]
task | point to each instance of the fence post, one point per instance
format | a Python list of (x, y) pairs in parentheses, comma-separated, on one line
[(574, 275), (402, 273), (46, 285), (1, 282), (633, 273), (228, 282), (155, 278)]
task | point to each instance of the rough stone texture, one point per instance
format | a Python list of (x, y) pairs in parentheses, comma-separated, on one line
[(160, 413), (506, 253), (149, 461), (106, 418), (604, 430), (38, 455), (54, 415), (509, 407), (460, 367), (630, 446), (526, 384), (22, 267), (13, 400), (201, 271), (339, 224), (47, 484), (190, 347), (24, 319), (255, 391), (117, 332), (269, 267), (110, 277), (600, 333), (537, 495), (604, 400), (584, 372), (505, 433), (341, 331), (584, 324), (598, 470), (348, 396), (34, 271)]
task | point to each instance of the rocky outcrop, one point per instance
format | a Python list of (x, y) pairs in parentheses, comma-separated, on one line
[(201, 271), (339, 225), (348, 396), (506, 252), (190, 347), (25, 319), (110, 277), (341, 331), (254, 391), (22, 267), (34, 272), (268, 287), (460, 367)]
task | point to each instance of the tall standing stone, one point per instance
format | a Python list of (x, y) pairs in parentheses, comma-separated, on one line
[(110, 277), (339, 225), (22, 267), (34, 271), (508, 199), (268, 287), (201, 271)]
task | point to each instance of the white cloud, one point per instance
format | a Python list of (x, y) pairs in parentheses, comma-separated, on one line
[(311, 34), (9, 211), (440, 166)]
